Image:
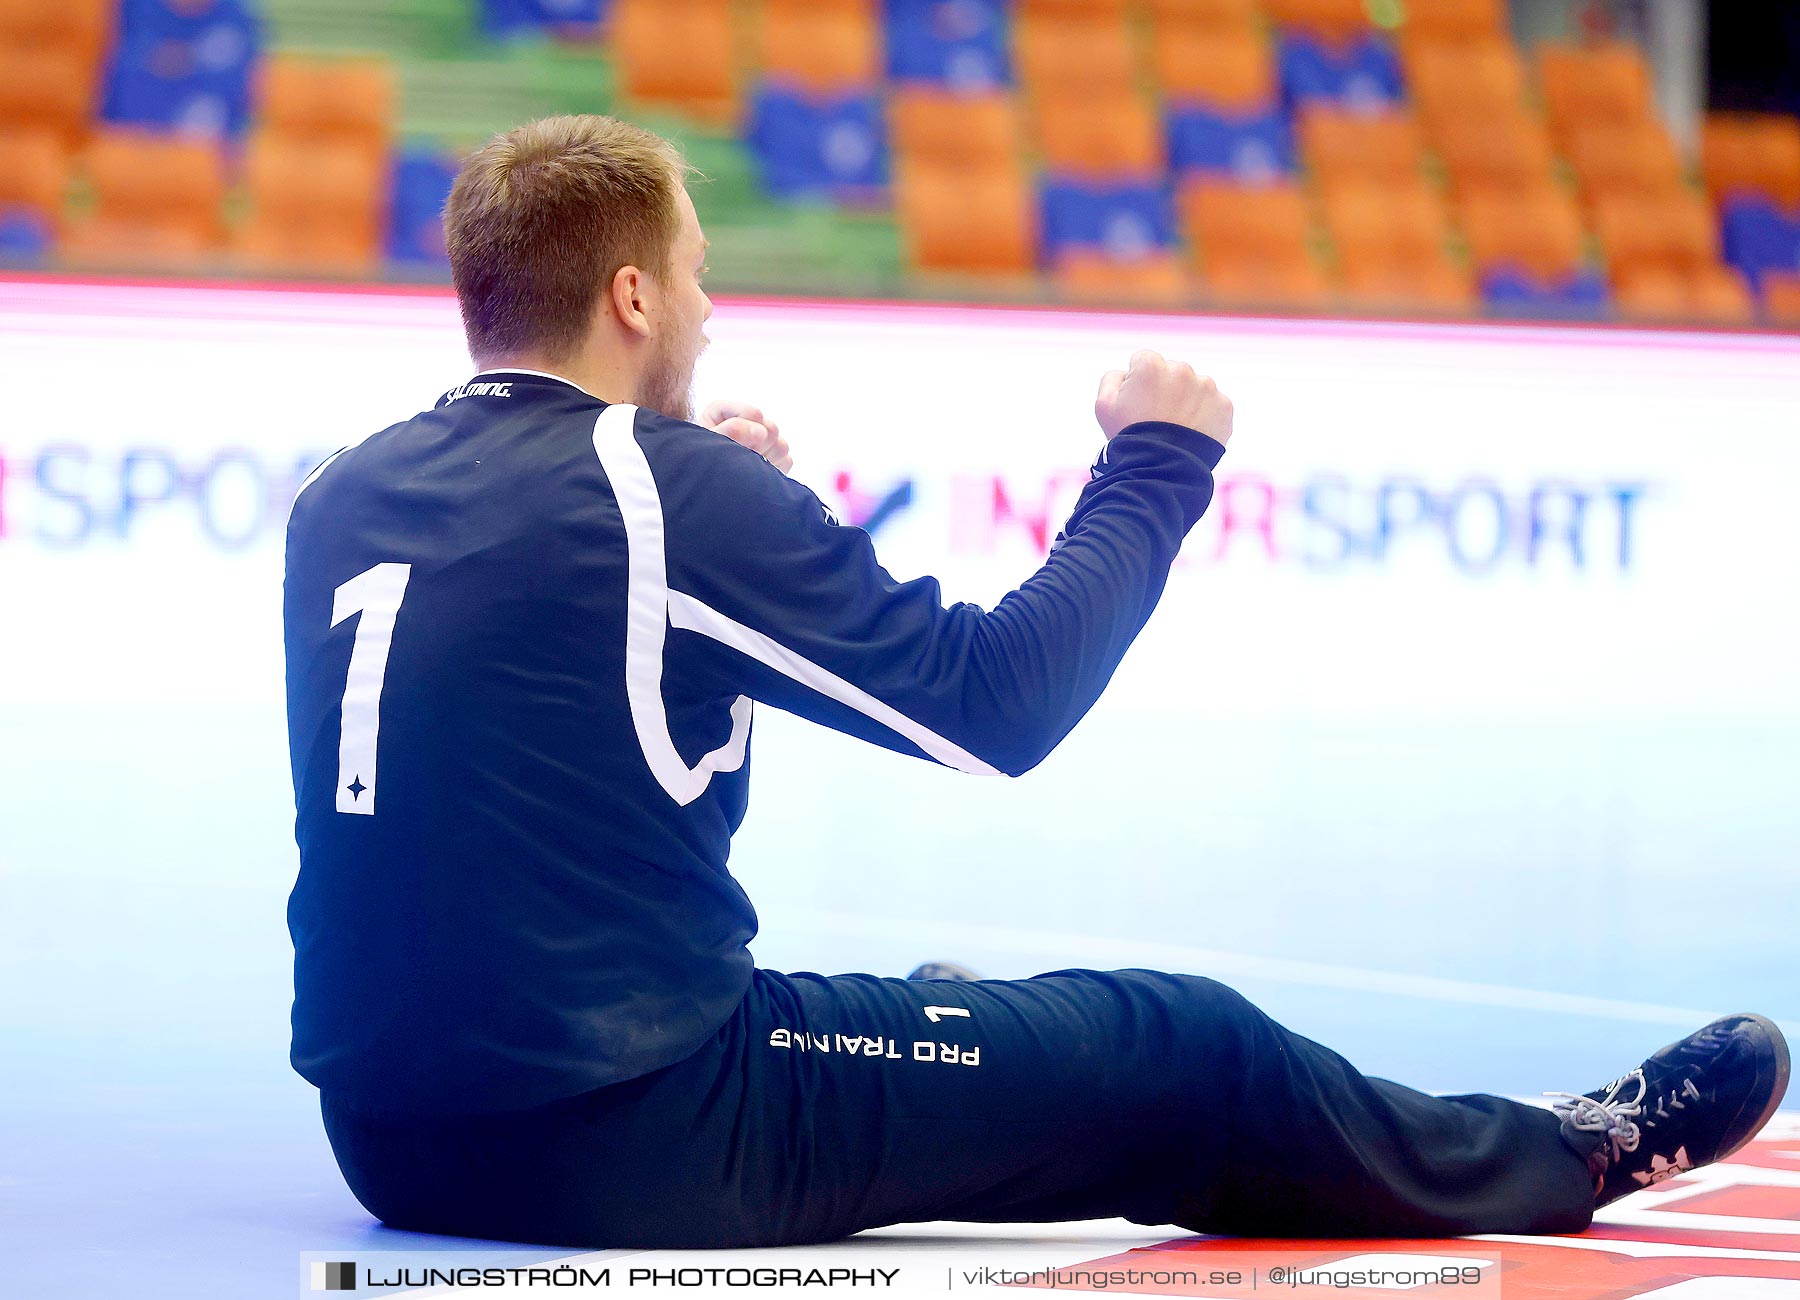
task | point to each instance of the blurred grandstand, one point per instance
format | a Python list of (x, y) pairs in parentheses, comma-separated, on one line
[(1403, 156)]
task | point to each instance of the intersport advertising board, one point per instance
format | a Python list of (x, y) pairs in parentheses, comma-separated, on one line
[(1410, 519), (1471, 704)]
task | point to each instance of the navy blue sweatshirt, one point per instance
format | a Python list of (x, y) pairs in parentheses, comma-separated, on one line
[(524, 630)]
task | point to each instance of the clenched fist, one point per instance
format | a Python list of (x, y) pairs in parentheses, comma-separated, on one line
[(748, 426), (1154, 388)]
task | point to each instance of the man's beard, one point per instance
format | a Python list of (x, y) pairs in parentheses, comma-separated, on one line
[(668, 385)]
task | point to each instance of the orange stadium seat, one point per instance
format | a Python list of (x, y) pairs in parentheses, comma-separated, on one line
[(1087, 275), (1331, 19), (315, 206), (1091, 54), (1234, 222), (826, 48), (1427, 282), (1721, 294), (1114, 10), (1346, 147), (82, 27), (1100, 136), (1225, 17), (679, 53), (34, 173), (1391, 241), (1296, 284), (349, 101), (1253, 244), (957, 218), (1624, 158), (855, 8), (1752, 153), (49, 90), (289, 249), (1652, 294), (1456, 20), (1536, 230), (1456, 83), (1205, 65), (1676, 232), (157, 198), (1384, 221), (1503, 151), (1714, 294), (1781, 298), (1584, 86), (970, 129)]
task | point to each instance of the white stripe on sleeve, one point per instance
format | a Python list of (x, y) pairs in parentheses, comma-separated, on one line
[(652, 606)]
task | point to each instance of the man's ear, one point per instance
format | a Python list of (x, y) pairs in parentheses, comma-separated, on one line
[(631, 299)]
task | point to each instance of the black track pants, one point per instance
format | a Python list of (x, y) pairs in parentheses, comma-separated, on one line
[(828, 1105)]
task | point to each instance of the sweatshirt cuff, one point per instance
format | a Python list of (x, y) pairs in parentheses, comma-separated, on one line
[(1208, 448)]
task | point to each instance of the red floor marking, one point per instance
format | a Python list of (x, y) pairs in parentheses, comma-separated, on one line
[(1671, 1185), (1720, 1238), (1527, 1272), (1750, 1202), (1555, 1268)]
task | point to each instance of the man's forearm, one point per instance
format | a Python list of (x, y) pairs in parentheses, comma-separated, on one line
[(1057, 640)]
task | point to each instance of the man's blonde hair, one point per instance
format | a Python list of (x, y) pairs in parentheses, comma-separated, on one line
[(541, 219)]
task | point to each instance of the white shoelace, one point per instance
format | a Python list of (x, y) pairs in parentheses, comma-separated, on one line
[(1611, 1115)]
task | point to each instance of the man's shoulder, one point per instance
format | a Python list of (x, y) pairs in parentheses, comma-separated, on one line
[(671, 430), (699, 471), (672, 441), (341, 466)]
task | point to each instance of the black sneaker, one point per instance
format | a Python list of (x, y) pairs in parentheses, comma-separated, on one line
[(1694, 1102), (942, 970)]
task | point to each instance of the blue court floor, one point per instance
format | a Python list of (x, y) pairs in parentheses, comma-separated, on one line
[(1538, 918)]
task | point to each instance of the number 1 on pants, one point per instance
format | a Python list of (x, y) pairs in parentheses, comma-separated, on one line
[(375, 594)]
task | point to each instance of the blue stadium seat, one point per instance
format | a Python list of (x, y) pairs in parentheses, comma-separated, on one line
[(503, 18), (956, 43), (1581, 294), (819, 146), (1252, 148), (183, 68), (1125, 219), (415, 224), (1364, 73), (1759, 237), (198, 102), (191, 20), (25, 237)]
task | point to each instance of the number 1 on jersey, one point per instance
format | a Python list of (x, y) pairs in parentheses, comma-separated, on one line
[(375, 594)]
